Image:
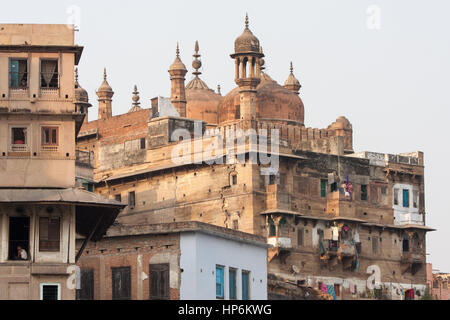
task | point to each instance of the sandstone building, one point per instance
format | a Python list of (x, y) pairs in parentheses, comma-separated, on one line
[(349, 225), (41, 212)]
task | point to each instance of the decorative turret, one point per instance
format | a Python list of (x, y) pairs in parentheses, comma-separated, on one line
[(136, 104), (292, 83), (247, 57), (177, 73), (105, 94), (81, 98)]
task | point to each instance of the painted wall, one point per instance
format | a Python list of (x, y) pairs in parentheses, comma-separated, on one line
[(406, 215), (200, 253)]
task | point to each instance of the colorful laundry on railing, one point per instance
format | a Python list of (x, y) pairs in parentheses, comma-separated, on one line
[(330, 291)]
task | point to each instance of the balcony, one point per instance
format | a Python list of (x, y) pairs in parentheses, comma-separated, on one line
[(280, 242)]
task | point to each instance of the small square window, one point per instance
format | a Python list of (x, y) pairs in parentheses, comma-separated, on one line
[(19, 136), (49, 136)]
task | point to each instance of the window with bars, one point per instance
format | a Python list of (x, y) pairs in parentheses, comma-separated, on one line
[(50, 291), (121, 283), (159, 281), (18, 73), (19, 139), (323, 188), (49, 136), (49, 234), (49, 74)]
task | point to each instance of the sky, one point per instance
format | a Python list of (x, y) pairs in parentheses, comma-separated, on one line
[(383, 64)]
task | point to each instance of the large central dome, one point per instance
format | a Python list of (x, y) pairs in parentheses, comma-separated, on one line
[(273, 102)]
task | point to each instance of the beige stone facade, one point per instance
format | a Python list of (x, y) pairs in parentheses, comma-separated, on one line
[(42, 108), (346, 225)]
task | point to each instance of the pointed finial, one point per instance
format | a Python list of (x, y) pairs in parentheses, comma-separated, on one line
[(136, 97), (292, 68), (76, 74), (104, 74), (196, 63), (196, 47), (218, 89), (178, 51), (246, 20)]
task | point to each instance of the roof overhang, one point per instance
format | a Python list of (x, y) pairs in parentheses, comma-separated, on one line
[(77, 50), (94, 214)]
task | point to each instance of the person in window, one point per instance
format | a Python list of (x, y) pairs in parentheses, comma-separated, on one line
[(21, 253)]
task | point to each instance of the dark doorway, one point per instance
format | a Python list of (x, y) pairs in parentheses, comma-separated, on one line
[(86, 291), (121, 283), (19, 235)]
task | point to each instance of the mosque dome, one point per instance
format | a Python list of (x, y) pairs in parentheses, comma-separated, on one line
[(273, 102), (105, 87), (80, 95)]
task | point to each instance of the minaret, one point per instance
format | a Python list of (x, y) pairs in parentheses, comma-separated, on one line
[(105, 94), (247, 56), (292, 83), (177, 73)]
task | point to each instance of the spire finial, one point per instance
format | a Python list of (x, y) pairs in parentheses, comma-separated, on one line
[(136, 97), (196, 64), (104, 74), (246, 20), (178, 51), (292, 68), (76, 74), (218, 89)]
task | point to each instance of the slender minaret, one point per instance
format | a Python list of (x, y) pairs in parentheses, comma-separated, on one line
[(177, 73), (292, 83), (247, 56), (105, 94)]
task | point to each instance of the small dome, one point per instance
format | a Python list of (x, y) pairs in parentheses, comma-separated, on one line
[(177, 64), (292, 83), (273, 102), (246, 42), (80, 95), (105, 87)]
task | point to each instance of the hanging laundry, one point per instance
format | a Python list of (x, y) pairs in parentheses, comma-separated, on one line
[(323, 288), (331, 178), (328, 234), (330, 291), (352, 288), (335, 232)]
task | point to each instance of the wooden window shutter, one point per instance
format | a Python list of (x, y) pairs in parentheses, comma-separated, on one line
[(159, 281)]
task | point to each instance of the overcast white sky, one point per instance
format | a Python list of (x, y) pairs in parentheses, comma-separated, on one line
[(392, 83)]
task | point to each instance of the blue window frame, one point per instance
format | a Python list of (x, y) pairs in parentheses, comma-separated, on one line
[(406, 198), (219, 282), (245, 285), (232, 282)]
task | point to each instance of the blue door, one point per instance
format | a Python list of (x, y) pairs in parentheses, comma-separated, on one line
[(405, 198)]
